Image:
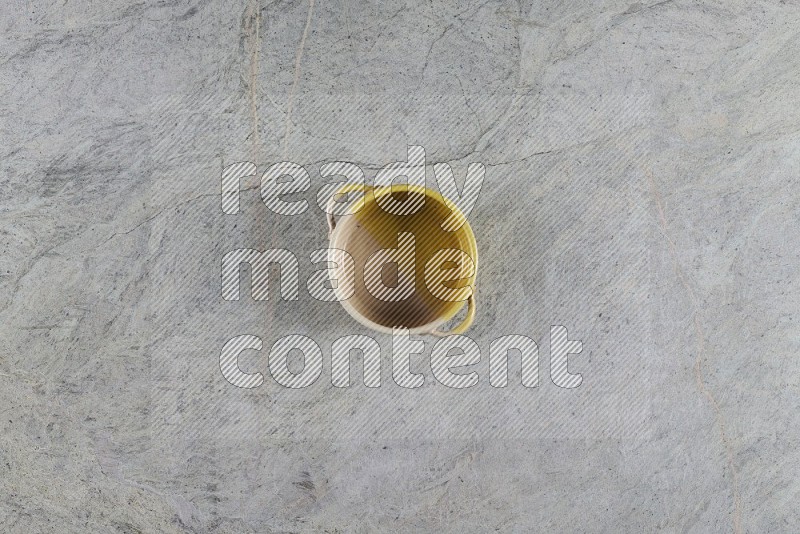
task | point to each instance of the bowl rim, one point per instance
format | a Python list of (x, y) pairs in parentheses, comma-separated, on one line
[(466, 240)]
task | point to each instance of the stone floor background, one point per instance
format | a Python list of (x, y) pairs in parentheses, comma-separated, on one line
[(642, 190)]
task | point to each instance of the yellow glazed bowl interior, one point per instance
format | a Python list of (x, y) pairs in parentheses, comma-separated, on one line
[(367, 227)]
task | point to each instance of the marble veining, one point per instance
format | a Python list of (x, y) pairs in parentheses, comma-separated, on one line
[(642, 163)]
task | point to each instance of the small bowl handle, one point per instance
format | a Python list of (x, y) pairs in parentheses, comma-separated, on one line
[(331, 201), (465, 324)]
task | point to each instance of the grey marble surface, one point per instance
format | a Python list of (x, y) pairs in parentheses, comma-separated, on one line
[(642, 189)]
